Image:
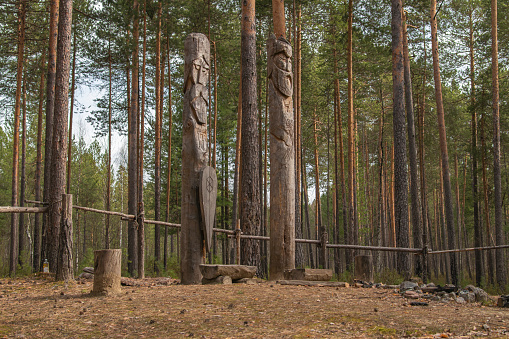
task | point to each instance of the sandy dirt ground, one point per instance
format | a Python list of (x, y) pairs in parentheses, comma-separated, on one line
[(40, 308)]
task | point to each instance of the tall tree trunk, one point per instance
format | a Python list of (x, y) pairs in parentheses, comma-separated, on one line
[(352, 203), (497, 177), (320, 229), (400, 157), (412, 151), (474, 154), (306, 213), (487, 219), (381, 183), (168, 178), (69, 140), (47, 235), (299, 250), (157, 146), (13, 259), (21, 242), (133, 250), (449, 214), (424, 201), (37, 227), (250, 199), (108, 175), (64, 267), (278, 14)]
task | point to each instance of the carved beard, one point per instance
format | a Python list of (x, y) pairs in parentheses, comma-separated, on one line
[(283, 81)]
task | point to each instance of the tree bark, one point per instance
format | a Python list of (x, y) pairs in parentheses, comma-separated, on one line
[(412, 151), (250, 182), (497, 177), (13, 259), (449, 214), (278, 14), (352, 203), (474, 155), (132, 243), (59, 145), (22, 193), (69, 141), (157, 146), (65, 269), (168, 178), (48, 238), (400, 157), (37, 227)]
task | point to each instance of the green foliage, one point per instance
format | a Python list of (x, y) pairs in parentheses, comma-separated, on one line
[(389, 277)]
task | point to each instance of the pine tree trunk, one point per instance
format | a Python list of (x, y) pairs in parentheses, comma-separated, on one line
[(318, 205), (157, 146), (474, 153), (108, 175), (497, 177), (250, 199), (449, 214), (133, 259), (22, 230), (352, 202), (13, 259), (400, 157), (48, 242), (487, 219), (412, 151), (38, 165), (69, 142), (64, 270), (168, 178)]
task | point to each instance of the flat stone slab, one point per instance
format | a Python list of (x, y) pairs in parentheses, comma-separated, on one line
[(308, 274), (313, 283), (235, 272)]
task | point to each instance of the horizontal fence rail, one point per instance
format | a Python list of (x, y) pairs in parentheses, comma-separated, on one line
[(239, 235)]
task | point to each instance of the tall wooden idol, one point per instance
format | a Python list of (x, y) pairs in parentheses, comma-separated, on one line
[(282, 157), (194, 155)]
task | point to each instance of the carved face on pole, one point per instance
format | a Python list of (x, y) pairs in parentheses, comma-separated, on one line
[(281, 67)]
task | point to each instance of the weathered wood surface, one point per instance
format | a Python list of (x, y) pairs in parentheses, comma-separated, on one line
[(194, 153), (308, 274), (14, 209), (233, 271), (313, 283), (107, 270), (363, 268), (221, 280), (282, 157), (208, 196)]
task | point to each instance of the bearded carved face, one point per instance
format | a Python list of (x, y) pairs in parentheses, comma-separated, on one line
[(280, 67), (282, 73)]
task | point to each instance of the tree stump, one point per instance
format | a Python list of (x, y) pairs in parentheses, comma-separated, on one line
[(107, 270), (364, 268)]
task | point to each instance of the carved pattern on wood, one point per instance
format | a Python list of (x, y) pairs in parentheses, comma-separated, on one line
[(194, 153), (282, 155)]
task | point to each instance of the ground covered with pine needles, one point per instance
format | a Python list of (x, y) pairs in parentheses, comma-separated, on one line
[(40, 308)]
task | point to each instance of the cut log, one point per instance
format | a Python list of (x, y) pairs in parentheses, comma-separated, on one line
[(308, 274), (313, 283), (221, 280), (107, 270), (364, 268), (247, 281), (234, 271), (88, 270)]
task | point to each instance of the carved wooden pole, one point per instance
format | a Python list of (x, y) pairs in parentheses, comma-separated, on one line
[(282, 156), (194, 154)]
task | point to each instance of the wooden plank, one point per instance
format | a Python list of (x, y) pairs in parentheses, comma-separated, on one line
[(308, 274)]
